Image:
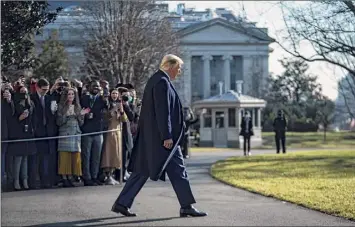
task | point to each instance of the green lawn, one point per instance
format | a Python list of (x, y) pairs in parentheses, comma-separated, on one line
[(312, 140), (322, 180)]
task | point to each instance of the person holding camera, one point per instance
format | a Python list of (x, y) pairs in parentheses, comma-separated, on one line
[(112, 153), (92, 144), (23, 128)]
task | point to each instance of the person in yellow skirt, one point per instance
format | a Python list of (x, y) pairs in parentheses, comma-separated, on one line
[(112, 154), (70, 117)]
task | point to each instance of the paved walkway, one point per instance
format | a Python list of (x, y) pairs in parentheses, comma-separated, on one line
[(157, 205)]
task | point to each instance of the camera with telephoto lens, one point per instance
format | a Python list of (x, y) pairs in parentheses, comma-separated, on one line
[(125, 98)]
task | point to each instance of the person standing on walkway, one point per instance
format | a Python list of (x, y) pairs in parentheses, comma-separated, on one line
[(157, 146), (70, 117), (280, 125), (45, 127), (92, 144), (246, 130), (190, 119), (112, 153), (7, 112), (22, 128)]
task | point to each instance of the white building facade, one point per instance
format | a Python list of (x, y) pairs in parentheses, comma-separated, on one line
[(218, 47), (217, 51)]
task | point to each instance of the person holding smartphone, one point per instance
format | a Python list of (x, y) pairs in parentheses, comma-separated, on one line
[(92, 144), (70, 117), (23, 128)]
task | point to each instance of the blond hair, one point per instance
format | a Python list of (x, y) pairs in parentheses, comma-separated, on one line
[(170, 61)]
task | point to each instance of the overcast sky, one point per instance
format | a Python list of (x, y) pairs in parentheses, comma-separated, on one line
[(268, 14)]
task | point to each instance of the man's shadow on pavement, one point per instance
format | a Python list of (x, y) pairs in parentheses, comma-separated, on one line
[(101, 222)]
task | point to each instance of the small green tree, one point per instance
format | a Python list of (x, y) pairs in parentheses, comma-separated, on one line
[(52, 62)]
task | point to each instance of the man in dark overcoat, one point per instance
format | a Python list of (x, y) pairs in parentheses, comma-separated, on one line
[(45, 127), (280, 125), (157, 146)]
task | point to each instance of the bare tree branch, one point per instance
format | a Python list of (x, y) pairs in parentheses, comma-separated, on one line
[(126, 41), (327, 25)]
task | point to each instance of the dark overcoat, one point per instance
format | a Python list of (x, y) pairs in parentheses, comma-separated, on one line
[(7, 112), (243, 124), (161, 118), (17, 131), (45, 130)]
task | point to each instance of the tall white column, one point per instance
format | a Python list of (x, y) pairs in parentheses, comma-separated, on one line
[(206, 76), (227, 72), (247, 59), (253, 118), (259, 117), (187, 79)]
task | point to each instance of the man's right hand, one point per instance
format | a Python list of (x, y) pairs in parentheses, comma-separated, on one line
[(168, 144)]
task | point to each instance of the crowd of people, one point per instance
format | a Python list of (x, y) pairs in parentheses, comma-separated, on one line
[(93, 128), (93, 125)]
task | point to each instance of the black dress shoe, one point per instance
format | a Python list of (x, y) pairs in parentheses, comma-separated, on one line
[(119, 209), (192, 211), (97, 181), (68, 184), (46, 186), (89, 183)]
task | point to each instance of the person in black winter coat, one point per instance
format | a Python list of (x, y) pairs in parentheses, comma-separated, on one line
[(190, 119), (246, 131), (23, 127), (280, 125), (7, 112)]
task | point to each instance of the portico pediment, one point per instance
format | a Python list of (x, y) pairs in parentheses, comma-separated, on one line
[(220, 31)]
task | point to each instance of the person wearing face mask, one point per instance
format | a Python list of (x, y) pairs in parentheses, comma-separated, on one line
[(23, 128), (92, 144), (246, 126), (70, 117), (7, 112), (112, 153)]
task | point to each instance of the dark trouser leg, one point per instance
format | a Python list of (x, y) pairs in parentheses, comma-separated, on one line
[(245, 145), (179, 179), (44, 169), (9, 159), (125, 157), (124, 163), (248, 143), (283, 143), (3, 165), (96, 156), (55, 178), (33, 170), (185, 146), (131, 189), (277, 141), (86, 142)]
